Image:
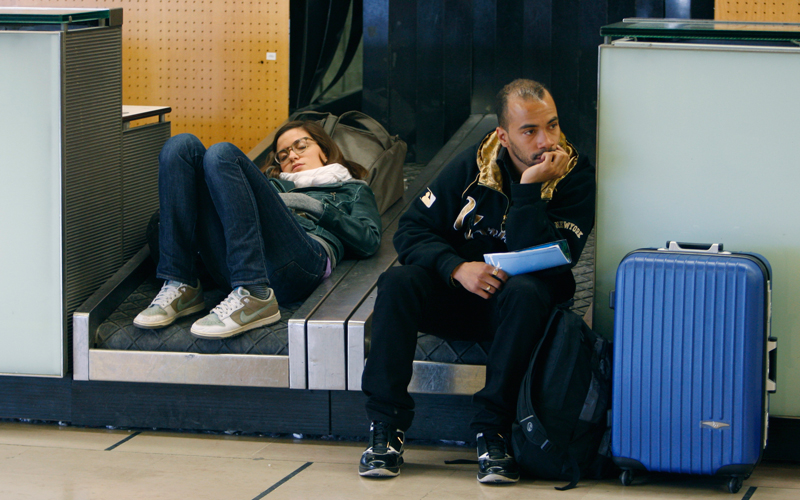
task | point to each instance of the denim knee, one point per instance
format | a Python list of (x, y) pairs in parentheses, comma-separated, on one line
[(181, 145), (219, 157)]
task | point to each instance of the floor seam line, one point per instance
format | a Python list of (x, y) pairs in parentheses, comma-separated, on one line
[(279, 483), (749, 493), (124, 440)]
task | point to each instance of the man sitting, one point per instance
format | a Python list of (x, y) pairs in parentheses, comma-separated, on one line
[(523, 185)]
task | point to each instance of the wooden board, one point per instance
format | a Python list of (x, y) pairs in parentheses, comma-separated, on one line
[(207, 60), (782, 11)]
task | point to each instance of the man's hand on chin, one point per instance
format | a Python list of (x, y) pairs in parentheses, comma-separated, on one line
[(553, 165)]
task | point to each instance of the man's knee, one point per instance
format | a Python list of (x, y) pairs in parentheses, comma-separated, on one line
[(526, 292), (403, 278)]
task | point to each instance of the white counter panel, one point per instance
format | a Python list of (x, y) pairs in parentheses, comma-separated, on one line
[(31, 318), (698, 144)]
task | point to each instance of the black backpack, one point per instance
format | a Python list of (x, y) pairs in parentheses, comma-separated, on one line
[(562, 431)]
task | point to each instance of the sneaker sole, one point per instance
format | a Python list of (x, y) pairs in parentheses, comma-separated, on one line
[(378, 473), (231, 333), (496, 479), (161, 324)]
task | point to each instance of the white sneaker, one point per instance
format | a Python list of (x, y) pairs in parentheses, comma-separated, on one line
[(237, 314), (175, 299)]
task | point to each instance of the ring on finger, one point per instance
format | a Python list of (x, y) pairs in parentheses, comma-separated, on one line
[(488, 288)]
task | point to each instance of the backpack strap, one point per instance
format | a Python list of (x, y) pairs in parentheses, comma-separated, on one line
[(536, 434), (532, 427), (576, 475)]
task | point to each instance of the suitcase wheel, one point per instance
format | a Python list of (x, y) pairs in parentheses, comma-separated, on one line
[(626, 478), (734, 484)]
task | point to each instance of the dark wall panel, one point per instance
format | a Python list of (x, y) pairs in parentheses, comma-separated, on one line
[(620, 9), (593, 14), (403, 71), (484, 48), (649, 8), (430, 78), (510, 43), (537, 39), (429, 63), (457, 64), (566, 65), (376, 58)]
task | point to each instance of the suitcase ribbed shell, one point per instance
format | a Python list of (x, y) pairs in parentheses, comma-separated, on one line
[(689, 339)]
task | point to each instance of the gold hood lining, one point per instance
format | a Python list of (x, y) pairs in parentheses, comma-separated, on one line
[(489, 171)]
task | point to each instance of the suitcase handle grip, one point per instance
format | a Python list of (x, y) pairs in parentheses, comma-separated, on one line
[(772, 364), (676, 246)]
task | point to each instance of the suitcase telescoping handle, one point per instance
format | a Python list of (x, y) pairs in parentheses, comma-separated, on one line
[(676, 246)]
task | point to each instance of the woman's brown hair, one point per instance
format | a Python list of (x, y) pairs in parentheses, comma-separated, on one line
[(325, 143)]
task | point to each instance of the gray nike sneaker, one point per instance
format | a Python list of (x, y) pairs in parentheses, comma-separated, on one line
[(173, 301), (237, 314)]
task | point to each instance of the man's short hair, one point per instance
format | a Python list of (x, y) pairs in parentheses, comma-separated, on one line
[(522, 88)]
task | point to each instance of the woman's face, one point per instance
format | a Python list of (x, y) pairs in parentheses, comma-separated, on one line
[(291, 155)]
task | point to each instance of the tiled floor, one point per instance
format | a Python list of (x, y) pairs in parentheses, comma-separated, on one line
[(49, 462)]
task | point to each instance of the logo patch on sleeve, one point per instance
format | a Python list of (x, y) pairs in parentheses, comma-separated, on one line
[(428, 198)]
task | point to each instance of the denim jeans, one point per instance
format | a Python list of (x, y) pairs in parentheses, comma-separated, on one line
[(217, 202)]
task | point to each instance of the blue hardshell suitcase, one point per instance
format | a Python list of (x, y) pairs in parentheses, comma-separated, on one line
[(692, 352)]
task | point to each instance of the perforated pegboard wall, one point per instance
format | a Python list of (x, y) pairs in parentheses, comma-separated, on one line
[(206, 59), (757, 10)]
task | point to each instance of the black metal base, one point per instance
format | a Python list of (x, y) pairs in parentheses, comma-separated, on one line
[(259, 410), (216, 408)]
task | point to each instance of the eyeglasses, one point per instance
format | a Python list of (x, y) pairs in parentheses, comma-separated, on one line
[(298, 146)]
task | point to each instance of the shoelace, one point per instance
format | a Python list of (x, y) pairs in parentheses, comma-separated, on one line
[(496, 448), (380, 442), (230, 304), (167, 294)]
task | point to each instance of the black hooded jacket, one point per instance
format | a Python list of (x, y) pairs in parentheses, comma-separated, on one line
[(473, 207)]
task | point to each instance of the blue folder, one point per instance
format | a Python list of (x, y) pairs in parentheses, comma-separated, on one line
[(531, 259)]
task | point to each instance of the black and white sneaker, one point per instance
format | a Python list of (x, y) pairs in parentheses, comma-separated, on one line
[(495, 465), (384, 456)]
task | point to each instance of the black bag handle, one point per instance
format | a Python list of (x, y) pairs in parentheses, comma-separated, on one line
[(326, 120), (368, 123)]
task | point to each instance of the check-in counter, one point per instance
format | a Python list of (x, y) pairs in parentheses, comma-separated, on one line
[(60, 157), (697, 122)]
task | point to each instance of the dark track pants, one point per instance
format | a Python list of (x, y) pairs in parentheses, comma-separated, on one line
[(412, 299)]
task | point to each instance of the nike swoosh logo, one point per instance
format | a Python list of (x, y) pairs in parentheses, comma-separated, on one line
[(183, 305), (246, 318)]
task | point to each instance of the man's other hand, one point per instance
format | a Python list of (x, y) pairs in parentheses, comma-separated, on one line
[(480, 278), (553, 166)]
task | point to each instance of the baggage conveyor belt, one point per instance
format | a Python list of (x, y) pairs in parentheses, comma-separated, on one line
[(315, 345)]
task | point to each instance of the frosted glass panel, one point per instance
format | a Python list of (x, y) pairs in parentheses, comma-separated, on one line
[(700, 146), (31, 340)]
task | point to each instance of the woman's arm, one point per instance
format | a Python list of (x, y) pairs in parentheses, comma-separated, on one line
[(359, 230)]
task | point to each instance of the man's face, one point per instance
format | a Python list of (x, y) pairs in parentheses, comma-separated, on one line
[(533, 129)]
